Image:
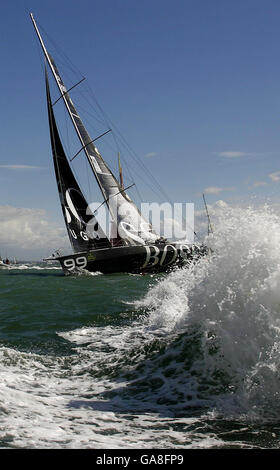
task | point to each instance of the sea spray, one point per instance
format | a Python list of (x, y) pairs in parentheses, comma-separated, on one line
[(192, 364), (231, 299), (208, 335)]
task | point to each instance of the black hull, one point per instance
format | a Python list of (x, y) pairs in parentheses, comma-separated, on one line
[(131, 259)]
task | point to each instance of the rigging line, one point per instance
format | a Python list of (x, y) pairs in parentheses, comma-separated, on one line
[(117, 145), (133, 154), (88, 181), (52, 130), (67, 143), (126, 165), (67, 61), (88, 114), (110, 197), (59, 83), (107, 121), (208, 216), (84, 146), (168, 198), (67, 91), (118, 148), (141, 164), (76, 71)]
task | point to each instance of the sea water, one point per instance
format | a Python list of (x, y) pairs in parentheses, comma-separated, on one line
[(185, 360)]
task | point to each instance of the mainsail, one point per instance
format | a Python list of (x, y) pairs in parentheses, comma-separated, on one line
[(128, 222), (83, 228)]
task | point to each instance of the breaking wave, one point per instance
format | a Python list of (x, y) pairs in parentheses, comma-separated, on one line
[(227, 310), (193, 363)]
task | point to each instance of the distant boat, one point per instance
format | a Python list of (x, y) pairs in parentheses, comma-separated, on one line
[(3, 264), (6, 263), (130, 249)]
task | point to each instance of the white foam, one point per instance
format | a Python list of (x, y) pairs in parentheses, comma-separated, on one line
[(209, 336), (233, 298)]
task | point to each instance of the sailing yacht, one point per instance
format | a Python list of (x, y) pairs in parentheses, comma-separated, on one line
[(133, 245)]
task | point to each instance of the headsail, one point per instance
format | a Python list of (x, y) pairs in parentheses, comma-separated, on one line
[(83, 228), (128, 221)]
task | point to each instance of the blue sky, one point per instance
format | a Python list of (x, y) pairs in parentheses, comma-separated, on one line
[(193, 85)]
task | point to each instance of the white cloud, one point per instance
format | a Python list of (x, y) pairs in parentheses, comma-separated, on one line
[(235, 154), (275, 176), (216, 190), (29, 231), (151, 154), (259, 183), (21, 167)]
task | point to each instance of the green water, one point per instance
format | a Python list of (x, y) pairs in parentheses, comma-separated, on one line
[(35, 304), (98, 361)]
